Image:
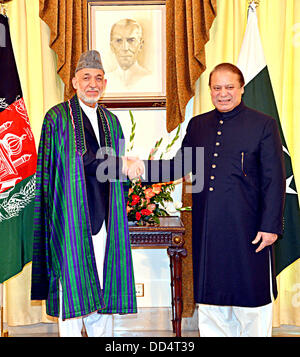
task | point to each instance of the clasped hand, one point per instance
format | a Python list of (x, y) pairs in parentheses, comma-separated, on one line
[(133, 167)]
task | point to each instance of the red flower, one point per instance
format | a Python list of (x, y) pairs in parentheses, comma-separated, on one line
[(146, 212), (138, 216), (135, 200)]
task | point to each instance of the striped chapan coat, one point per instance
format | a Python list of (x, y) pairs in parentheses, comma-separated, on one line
[(63, 248)]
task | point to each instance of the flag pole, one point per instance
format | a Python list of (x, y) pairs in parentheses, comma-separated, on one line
[(1, 307), (4, 333)]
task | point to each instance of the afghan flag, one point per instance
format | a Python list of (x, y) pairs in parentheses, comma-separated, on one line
[(259, 95), (17, 165)]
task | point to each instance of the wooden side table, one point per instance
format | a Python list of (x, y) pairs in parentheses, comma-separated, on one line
[(169, 235)]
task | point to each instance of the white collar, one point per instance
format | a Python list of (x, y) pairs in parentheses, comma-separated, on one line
[(87, 109), (91, 113)]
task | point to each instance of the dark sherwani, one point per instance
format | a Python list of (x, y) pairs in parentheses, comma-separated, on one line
[(243, 193)]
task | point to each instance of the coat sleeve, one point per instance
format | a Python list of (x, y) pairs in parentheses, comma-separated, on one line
[(40, 259), (272, 179), (183, 163)]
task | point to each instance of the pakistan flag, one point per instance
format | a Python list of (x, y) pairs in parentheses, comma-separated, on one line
[(259, 95), (17, 165)]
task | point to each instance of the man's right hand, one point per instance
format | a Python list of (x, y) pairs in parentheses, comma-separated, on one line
[(133, 167)]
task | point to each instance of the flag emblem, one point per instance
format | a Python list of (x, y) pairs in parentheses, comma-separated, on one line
[(18, 159)]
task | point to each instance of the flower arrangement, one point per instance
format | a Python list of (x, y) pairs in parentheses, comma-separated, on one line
[(146, 203)]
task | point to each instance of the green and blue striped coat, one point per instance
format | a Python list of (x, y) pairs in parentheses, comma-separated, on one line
[(63, 248)]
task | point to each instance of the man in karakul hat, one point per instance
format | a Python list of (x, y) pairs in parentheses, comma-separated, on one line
[(81, 252)]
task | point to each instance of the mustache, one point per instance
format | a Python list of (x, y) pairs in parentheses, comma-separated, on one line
[(94, 89)]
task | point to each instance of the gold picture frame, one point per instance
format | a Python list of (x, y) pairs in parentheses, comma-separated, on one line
[(131, 38)]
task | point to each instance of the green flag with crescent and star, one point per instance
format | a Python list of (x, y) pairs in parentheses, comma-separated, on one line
[(259, 95)]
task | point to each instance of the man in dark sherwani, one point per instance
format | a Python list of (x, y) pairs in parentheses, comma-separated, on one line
[(238, 214)]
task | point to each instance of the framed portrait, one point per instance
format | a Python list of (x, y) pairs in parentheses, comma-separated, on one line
[(131, 38)]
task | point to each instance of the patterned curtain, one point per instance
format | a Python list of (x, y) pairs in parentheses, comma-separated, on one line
[(68, 24), (188, 24)]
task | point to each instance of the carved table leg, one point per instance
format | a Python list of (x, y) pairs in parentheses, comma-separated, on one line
[(172, 292), (176, 254)]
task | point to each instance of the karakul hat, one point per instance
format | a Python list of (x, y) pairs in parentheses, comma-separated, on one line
[(89, 59)]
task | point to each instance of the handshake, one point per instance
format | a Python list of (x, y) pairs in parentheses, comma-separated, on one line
[(132, 167)]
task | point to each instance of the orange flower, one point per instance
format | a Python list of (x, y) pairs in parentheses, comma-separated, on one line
[(156, 189), (164, 183), (128, 209), (151, 207), (149, 193)]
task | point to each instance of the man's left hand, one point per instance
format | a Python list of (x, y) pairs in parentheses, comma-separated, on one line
[(266, 239)]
